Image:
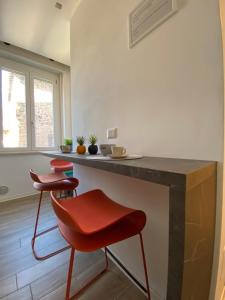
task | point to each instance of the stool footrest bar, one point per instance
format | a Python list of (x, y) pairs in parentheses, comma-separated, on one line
[(50, 254)]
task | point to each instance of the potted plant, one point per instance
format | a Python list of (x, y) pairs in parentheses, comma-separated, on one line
[(68, 142), (67, 147), (93, 148), (81, 149)]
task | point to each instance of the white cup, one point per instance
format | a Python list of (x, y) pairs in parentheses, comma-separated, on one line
[(106, 149), (118, 151)]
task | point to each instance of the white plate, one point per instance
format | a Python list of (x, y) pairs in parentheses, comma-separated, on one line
[(117, 157), (97, 157), (110, 157)]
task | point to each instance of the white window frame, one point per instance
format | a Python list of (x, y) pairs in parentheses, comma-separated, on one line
[(30, 74)]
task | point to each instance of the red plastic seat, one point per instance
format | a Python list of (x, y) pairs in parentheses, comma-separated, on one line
[(50, 182), (94, 221), (58, 165)]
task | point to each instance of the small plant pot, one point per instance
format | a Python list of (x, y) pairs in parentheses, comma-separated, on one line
[(66, 148), (93, 149), (81, 149)]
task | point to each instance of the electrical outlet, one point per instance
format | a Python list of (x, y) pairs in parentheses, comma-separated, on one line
[(111, 133), (3, 190)]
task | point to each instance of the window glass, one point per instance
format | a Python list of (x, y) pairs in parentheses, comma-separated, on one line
[(43, 113), (13, 109)]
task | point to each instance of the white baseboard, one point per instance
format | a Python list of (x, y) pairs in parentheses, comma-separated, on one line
[(21, 196)]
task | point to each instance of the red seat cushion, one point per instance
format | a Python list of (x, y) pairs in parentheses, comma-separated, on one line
[(51, 177), (94, 211), (58, 165), (92, 220), (68, 184)]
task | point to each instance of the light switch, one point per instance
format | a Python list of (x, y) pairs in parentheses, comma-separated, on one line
[(111, 133)]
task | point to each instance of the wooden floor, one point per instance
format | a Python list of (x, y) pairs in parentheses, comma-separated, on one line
[(24, 278)]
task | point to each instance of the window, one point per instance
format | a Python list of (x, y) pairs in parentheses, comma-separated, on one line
[(29, 108)]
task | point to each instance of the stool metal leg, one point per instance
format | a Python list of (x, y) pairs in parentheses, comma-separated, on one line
[(145, 266), (37, 217), (70, 271), (106, 259), (41, 233)]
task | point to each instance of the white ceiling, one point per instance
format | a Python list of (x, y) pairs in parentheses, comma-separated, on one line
[(38, 26)]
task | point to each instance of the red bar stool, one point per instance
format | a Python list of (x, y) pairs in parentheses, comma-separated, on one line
[(62, 166), (58, 165), (94, 221), (50, 182)]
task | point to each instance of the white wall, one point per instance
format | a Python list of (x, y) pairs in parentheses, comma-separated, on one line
[(165, 95), (14, 173)]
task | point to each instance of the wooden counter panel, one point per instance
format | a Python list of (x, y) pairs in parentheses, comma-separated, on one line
[(199, 238)]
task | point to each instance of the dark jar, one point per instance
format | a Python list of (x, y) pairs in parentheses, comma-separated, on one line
[(93, 149)]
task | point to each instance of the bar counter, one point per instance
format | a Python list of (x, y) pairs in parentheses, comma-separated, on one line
[(192, 205)]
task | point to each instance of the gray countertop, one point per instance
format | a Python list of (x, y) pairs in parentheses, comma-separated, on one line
[(164, 171)]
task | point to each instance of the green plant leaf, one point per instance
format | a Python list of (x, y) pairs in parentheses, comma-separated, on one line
[(93, 139), (68, 141), (80, 140)]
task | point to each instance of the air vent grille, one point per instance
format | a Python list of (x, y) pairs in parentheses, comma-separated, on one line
[(147, 16)]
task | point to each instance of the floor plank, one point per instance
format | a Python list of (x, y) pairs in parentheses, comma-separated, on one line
[(108, 286), (7, 286), (31, 274), (23, 259), (22, 294), (131, 293), (42, 241), (8, 245), (50, 282)]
